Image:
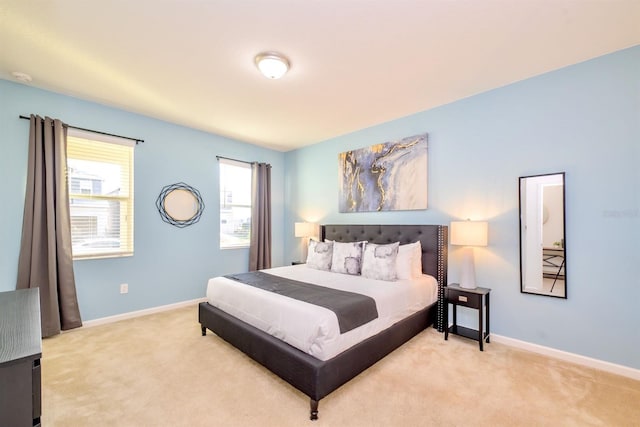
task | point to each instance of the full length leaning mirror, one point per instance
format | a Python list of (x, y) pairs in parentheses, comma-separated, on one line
[(543, 264)]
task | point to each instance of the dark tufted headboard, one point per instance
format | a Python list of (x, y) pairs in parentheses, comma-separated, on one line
[(433, 239)]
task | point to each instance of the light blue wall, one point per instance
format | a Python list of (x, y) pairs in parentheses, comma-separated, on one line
[(584, 120), (170, 264)]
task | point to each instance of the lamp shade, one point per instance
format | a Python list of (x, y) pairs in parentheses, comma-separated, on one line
[(469, 233), (305, 229)]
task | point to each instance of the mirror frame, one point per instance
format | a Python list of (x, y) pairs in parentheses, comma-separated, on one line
[(165, 210), (564, 235)]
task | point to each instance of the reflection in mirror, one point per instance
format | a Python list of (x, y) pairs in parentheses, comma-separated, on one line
[(542, 235), (180, 204)]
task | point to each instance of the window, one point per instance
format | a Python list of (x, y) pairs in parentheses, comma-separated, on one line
[(100, 179), (235, 204)]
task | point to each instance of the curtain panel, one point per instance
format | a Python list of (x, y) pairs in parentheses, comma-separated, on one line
[(46, 260), (260, 240)]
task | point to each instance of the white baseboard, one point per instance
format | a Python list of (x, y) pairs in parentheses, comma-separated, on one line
[(132, 314), (613, 368)]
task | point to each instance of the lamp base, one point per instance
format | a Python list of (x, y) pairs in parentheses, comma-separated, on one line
[(305, 249), (467, 286), (468, 272)]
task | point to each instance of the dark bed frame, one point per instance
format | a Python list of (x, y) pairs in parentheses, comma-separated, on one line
[(317, 378)]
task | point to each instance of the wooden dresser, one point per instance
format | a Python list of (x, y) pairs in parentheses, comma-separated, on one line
[(20, 352)]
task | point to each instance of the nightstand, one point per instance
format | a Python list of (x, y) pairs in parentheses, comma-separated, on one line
[(478, 299), (298, 262)]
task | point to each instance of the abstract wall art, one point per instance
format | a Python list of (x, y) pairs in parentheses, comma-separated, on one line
[(391, 176)]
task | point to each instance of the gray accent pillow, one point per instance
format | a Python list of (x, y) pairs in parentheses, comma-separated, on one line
[(379, 261), (347, 257), (319, 255)]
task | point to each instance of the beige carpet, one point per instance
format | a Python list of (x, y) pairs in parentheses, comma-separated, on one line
[(158, 370)]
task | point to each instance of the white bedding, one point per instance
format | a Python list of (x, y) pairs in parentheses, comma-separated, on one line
[(314, 329)]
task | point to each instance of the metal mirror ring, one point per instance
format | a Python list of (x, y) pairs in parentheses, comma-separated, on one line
[(180, 205)]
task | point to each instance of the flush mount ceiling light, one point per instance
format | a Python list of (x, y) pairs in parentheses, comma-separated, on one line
[(272, 64), (21, 77)]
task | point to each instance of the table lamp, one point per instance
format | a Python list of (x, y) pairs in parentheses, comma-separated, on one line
[(305, 230), (468, 234)]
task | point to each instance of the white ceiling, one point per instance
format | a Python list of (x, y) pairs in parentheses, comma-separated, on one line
[(355, 63)]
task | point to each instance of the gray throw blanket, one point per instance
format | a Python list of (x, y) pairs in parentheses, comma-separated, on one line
[(352, 309)]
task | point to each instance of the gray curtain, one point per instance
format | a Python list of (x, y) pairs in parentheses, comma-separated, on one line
[(45, 260), (260, 242)]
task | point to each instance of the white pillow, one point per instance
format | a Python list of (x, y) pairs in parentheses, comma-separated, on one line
[(347, 257), (319, 255), (409, 261), (379, 261)]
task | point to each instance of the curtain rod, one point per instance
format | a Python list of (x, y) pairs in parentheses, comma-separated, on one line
[(241, 161), (234, 160), (137, 140)]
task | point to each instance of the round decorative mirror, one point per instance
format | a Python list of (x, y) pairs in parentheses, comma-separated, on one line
[(180, 204)]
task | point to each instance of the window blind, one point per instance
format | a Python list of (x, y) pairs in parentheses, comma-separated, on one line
[(235, 204), (100, 181)]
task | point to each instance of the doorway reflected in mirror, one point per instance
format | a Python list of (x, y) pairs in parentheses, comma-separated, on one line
[(542, 235)]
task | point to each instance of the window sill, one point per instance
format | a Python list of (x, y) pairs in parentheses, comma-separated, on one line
[(102, 256)]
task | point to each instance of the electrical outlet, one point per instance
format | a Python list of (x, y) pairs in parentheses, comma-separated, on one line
[(124, 288)]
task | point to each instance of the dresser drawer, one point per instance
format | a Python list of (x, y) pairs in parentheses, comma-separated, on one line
[(20, 352), (464, 299), (36, 392)]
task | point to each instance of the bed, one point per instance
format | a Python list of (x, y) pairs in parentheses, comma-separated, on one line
[(315, 377)]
